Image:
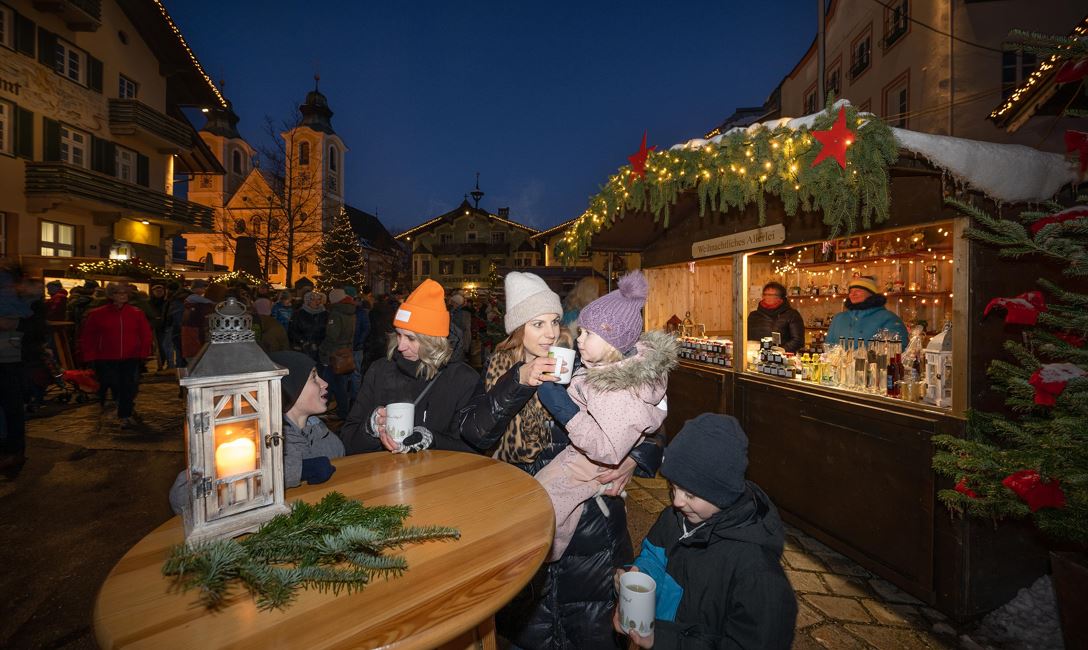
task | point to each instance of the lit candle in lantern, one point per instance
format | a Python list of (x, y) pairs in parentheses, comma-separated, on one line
[(236, 457)]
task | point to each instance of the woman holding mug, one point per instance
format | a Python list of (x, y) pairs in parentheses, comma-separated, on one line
[(570, 601), (424, 364)]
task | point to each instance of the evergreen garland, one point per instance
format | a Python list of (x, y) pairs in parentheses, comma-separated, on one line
[(236, 277), (334, 545), (340, 261), (134, 268), (746, 166), (1051, 442)]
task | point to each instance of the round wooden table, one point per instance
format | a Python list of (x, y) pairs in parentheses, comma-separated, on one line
[(448, 595)]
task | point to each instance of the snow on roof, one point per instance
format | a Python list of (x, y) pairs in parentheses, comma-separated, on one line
[(1010, 173)]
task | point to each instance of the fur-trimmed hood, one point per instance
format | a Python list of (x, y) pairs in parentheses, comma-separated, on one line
[(655, 355)]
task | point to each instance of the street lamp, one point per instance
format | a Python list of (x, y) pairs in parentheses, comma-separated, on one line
[(234, 424)]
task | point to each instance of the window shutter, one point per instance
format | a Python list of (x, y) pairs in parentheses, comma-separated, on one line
[(47, 47), (143, 174), (24, 133), (102, 156), (24, 35), (50, 140), (94, 74)]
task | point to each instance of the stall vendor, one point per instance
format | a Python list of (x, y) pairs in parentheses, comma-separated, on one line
[(774, 314), (865, 314)]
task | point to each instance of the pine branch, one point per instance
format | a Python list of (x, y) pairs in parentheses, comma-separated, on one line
[(334, 544)]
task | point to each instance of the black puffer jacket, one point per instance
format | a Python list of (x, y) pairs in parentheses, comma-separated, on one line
[(569, 603), (783, 319)]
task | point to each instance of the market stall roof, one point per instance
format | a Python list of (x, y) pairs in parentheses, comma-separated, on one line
[(1010, 173)]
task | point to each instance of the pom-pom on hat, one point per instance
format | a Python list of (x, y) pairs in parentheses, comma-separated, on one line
[(866, 282), (424, 311), (708, 458), (527, 295), (617, 317)]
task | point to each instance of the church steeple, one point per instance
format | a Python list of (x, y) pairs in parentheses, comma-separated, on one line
[(222, 121), (316, 113)]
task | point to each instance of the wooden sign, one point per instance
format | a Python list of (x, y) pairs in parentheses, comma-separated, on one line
[(741, 241)]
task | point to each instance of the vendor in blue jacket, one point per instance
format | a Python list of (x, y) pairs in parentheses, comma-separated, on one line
[(865, 314), (715, 553)]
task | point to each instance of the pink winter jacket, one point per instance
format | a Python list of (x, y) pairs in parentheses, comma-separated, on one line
[(620, 403)]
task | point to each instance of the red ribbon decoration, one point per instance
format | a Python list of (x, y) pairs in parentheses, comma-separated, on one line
[(1021, 310), (1077, 212), (1029, 486), (962, 488)]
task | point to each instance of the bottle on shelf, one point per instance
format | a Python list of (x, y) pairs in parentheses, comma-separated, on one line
[(895, 375), (871, 377), (861, 362)]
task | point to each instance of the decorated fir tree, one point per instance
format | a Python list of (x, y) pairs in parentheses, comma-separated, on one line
[(1035, 463), (340, 260)]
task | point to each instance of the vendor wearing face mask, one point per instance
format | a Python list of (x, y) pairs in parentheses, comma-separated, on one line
[(774, 314), (865, 314)]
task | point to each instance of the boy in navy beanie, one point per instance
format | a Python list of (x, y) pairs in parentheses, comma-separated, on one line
[(715, 553)]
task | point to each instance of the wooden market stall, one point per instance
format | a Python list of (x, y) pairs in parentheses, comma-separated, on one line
[(850, 467)]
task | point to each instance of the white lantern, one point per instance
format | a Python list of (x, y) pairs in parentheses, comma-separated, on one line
[(939, 368), (234, 431)]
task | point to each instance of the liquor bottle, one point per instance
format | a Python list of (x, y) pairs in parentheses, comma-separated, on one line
[(861, 362), (871, 377), (894, 375), (881, 366)]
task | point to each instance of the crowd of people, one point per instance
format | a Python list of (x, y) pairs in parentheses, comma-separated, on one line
[(482, 381)]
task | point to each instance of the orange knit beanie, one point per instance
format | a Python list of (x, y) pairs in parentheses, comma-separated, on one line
[(424, 311)]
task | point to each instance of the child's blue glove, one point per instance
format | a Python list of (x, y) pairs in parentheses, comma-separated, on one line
[(554, 398), (317, 470)]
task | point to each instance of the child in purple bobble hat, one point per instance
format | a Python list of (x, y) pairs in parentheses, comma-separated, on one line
[(616, 398)]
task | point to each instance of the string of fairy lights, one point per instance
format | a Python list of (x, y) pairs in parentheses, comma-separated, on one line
[(135, 268), (742, 168)]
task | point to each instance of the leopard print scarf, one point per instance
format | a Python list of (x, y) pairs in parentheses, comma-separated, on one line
[(530, 431)]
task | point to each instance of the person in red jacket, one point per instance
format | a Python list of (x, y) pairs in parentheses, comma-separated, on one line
[(116, 338)]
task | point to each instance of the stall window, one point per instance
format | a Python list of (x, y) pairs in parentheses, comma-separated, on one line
[(57, 239), (126, 88), (125, 164), (1016, 67), (897, 101), (73, 147), (6, 119)]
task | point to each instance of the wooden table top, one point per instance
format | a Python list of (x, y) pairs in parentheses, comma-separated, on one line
[(506, 525)]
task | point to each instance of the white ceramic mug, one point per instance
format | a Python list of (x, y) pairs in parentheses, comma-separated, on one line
[(400, 418), (564, 361), (638, 602)]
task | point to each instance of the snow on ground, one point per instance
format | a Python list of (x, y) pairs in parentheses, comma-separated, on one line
[(1027, 622)]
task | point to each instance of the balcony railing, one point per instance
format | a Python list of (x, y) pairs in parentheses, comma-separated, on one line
[(129, 116), (896, 30), (471, 248), (62, 183)]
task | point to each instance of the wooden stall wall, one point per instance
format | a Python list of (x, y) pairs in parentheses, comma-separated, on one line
[(704, 289)]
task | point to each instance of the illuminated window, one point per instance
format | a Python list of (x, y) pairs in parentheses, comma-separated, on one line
[(57, 239)]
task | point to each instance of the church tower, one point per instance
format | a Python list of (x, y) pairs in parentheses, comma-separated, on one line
[(220, 133), (315, 158)]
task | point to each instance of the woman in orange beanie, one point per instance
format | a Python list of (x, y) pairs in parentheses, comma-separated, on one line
[(424, 363)]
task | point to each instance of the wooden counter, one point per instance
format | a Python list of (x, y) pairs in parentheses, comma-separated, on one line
[(449, 594)]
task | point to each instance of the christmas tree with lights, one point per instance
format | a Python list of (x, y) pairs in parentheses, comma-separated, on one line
[(340, 260)]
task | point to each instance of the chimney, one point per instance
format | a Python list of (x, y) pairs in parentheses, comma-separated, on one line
[(504, 213)]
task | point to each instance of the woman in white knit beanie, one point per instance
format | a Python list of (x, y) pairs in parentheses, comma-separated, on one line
[(575, 596)]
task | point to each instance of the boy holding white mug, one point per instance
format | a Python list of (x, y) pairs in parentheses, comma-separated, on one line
[(715, 553)]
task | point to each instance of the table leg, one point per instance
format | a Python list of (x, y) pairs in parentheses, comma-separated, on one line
[(481, 637)]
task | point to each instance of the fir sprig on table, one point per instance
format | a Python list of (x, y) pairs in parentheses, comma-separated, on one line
[(335, 544)]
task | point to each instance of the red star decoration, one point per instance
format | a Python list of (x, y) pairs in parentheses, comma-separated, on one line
[(638, 159), (835, 140)]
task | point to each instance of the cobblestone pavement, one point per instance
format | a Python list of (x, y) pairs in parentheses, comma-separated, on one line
[(91, 490), (840, 604)]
